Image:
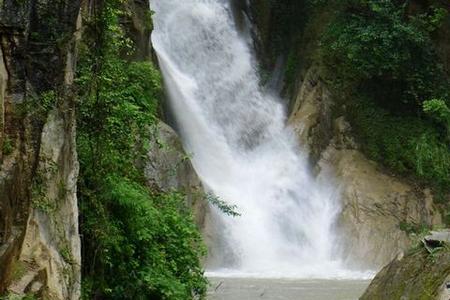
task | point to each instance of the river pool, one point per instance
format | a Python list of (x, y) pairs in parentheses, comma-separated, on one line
[(285, 289)]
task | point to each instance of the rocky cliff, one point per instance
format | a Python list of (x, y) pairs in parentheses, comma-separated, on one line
[(40, 245), (375, 203)]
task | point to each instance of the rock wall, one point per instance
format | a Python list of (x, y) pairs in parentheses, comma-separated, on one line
[(375, 203), (168, 168), (39, 241), (138, 25)]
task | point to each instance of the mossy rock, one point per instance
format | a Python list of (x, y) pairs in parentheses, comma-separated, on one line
[(419, 275)]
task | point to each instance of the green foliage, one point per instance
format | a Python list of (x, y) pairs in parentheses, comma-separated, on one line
[(146, 244), (47, 100), (119, 110), (66, 254), (7, 147), (224, 207), (413, 228), (148, 20), (39, 199), (37, 107), (43, 204), (408, 145), (137, 244), (381, 56), (438, 109), (378, 49)]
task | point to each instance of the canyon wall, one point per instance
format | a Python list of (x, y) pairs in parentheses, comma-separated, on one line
[(40, 245)]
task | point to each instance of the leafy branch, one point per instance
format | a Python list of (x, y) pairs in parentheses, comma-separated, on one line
[(223, 206)]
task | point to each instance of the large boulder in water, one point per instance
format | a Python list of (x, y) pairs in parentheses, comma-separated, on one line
[(422, 273)]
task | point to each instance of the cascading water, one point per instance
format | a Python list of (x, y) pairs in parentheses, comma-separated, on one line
[(241, 147)]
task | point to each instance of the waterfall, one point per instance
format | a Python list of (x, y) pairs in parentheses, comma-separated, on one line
[(241, 148)]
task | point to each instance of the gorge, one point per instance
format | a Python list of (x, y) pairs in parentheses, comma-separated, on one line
[(223, 149)]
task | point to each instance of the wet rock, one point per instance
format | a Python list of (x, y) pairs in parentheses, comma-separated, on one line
[(419, 274)]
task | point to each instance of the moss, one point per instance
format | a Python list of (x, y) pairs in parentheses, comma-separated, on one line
[(39, 199), (18, 269), (18, 297), (8, 146), (148, 21), (62, 189), (66, 254), (43, 204), (47, 100), (418, 276), (413, 228)]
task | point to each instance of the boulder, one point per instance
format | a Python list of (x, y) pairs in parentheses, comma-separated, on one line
[(419, 274)]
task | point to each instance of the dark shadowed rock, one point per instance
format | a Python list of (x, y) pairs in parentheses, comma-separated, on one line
[(436, 239)]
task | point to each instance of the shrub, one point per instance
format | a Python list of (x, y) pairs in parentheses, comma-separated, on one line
[(136, 243), (376, 48), (381, 60)]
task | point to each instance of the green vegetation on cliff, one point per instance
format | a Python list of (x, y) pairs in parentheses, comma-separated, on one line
[(385, 66), (386, 62), (137, 243)]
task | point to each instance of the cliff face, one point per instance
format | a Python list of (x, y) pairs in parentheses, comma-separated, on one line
[(40, 245), (138, 25), (375, 204)]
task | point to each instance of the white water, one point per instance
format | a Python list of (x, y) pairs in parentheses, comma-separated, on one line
[(242, 149)]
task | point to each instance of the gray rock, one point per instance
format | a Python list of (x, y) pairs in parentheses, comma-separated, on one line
[(168, 168), (438, 236)]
